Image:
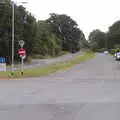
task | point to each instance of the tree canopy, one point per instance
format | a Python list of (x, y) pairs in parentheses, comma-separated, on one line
[(65, 28), (24, 29), (43, 37), (114, 34), (109, 40), (97, 39)]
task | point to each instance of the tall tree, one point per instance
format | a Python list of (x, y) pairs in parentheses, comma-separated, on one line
[(46, 42), (24, 29), (66, 29), (5, 29), (42, 37), (114, 34), (97, 39)]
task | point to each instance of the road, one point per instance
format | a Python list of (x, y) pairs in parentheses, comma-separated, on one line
[(88, 91)]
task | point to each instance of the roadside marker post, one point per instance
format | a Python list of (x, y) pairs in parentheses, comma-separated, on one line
[(21, 43), (22, 54)]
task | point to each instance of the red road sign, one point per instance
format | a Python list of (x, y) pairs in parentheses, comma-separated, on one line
[(21, 52)]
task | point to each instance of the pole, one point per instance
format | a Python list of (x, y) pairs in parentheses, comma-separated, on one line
[(12, 38), (22, 65), (106, 42)]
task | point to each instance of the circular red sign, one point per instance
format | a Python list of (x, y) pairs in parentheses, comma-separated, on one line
[(21, 52)]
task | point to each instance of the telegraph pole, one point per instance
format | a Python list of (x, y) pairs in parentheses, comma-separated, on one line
[(13, 30)]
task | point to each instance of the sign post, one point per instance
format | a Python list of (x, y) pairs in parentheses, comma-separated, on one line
[(22, 63), (21, 43), (22, 54)]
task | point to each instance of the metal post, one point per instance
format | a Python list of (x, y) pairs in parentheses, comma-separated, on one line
[(12, 38), (106, 43), (22, 65)]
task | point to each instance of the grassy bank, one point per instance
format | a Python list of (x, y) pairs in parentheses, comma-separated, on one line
[(52, 68)]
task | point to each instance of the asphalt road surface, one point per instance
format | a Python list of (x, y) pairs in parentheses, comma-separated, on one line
[(88, 91)]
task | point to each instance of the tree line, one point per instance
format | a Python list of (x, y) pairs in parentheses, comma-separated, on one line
[(49, 37), (42, 37), (99, 41)]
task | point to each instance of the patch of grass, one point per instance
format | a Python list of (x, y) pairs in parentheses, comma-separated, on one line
[(51, 68)]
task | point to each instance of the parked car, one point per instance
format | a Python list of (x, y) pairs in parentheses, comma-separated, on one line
[(105, 52), (117, 56)]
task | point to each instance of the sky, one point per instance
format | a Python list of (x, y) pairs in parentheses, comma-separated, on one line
[(89, 14)]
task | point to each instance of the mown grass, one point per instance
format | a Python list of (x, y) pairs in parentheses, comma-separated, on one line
[(51, 68)]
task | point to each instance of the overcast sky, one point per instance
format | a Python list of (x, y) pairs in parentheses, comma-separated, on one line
[(89, 14)]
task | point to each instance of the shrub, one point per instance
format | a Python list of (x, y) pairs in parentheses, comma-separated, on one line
[(101, 50), (113, 51)]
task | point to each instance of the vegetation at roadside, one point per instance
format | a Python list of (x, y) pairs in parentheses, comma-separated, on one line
[(51, 37), (100, 41), (42, 38), (51, 68), (38, 56)]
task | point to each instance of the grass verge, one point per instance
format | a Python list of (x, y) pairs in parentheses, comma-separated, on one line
[(52, 68)]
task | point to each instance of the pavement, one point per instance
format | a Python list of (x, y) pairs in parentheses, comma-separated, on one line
[(88, 91)]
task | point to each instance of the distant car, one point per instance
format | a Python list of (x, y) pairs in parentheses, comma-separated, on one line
[(117, 56), (105, 52)]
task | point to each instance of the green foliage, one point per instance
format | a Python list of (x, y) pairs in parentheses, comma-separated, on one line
[(93, 46), (51, 68), (97, 40), (42, 38), (111, 39), (112, 51), (114, 35), (101, 50), (46, 42), (67, 31), (116, 46), (24, 30)]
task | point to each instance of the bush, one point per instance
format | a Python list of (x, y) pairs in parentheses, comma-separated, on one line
[(101, 50), (37, 56), (88, 51), (116, 46), (113, 51)]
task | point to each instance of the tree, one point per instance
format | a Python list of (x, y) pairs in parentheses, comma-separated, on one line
[(5, 29), (48, 37), (24, 29), (66, 29), (97, 39), (114, 34), (83, 42), (46, 42)]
